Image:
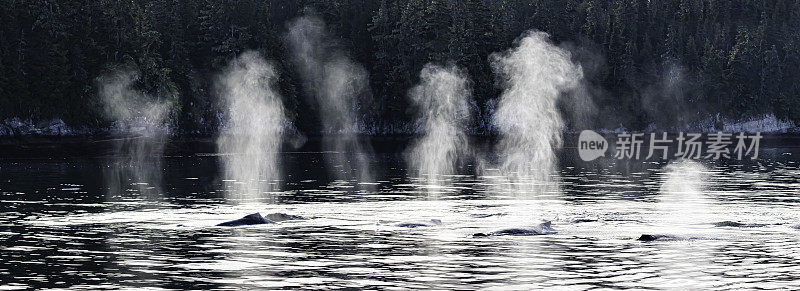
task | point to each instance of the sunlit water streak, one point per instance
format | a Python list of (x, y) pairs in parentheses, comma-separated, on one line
[(58, 229)]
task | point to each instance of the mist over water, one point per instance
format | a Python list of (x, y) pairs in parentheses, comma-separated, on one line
[(253, 127), (140, 128), (667, 102), (442, 102), (578, 105), (534, 74), (334, 84)]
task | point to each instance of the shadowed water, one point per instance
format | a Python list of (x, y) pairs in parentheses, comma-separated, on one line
[(59, 228)]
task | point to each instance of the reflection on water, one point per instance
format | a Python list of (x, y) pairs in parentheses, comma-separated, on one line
[(59, 228)]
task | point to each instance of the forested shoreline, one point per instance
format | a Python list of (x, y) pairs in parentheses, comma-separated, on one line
[(645, 63)]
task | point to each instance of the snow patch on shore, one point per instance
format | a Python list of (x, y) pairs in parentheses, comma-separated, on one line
[(19, 127), (57, 127), (767, 123)]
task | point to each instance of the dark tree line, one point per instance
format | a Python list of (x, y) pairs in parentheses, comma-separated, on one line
[(646, 61)]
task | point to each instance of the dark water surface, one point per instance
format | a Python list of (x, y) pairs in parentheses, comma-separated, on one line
[(63, 224)]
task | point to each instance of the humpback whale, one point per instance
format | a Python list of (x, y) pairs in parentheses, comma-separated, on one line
[(278, 217), (582, 220), (737, 224), (256, 218), (543, 228), (654, 237), (415, 224), (485, 215), (668, 237)]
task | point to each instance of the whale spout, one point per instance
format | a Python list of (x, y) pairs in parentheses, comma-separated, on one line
[(251, 219)]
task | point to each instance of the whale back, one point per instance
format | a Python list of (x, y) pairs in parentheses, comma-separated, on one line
[(542, 228), (278, 217), (415, 224), (250, 219)]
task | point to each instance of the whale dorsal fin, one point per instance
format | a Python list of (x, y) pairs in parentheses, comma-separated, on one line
[(255, 216), (546, 223)]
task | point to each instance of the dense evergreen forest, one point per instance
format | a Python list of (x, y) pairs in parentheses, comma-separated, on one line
[(645, 61)]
